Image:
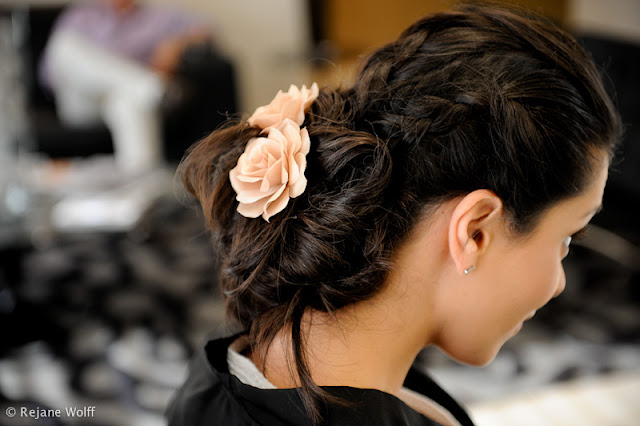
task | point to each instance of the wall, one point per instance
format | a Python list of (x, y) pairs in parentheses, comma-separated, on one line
[(359, 25), (617, 18), (267, 41)]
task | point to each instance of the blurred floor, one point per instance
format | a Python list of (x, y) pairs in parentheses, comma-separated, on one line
[(110, 319), (610, 400)]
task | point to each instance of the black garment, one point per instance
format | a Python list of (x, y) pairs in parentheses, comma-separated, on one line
[(212, 396)]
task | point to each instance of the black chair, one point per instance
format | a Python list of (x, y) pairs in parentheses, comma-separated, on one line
[(620, 62), (615, 233), (204, 84)]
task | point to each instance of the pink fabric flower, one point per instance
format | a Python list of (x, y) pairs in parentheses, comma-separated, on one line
[(291, 105), (271, 170)]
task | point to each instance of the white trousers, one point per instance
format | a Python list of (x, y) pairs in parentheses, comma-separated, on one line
[(92, 85)]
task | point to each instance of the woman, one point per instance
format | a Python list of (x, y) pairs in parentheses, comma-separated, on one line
[(431, 203)]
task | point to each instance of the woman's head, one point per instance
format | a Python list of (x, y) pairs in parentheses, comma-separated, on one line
[(478, 99), (507, 279)]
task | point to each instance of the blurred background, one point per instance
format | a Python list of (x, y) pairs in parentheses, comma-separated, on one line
[(107, 279)]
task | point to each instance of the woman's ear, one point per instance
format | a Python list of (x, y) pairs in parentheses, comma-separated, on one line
[(469, 235)]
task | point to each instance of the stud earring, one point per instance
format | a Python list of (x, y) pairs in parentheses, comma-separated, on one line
[(469, 269)]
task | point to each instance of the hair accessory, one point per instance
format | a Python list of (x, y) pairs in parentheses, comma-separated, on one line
[(292, 105), (271, 169), (469, 269)]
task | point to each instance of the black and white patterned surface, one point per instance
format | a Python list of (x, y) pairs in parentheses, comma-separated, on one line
[(110, 320)]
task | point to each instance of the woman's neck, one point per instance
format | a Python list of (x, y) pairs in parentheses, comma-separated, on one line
[(371, 344)]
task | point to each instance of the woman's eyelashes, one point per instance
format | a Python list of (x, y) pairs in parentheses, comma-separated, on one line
[(581, 234), (576, 236)]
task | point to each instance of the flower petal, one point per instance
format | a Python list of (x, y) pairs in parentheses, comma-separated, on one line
[(248, 197), (249, 179), (294, 91), (273, 176), (306, 141), (276, 203), (298, 187), (252, 210), (310, 95)]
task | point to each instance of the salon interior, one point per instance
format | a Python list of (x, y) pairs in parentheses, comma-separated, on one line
[(107, 277)]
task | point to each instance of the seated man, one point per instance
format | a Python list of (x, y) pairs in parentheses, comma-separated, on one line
[(109, 61)]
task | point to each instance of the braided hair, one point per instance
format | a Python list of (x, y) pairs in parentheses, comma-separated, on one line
[(479, 97)]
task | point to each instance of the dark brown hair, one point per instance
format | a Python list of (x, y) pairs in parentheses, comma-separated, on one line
[(480, 97)]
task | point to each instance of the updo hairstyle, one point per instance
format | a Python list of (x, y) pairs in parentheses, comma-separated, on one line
[(481, 97)]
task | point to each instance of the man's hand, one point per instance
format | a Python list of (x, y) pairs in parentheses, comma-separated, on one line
[(166, 56)]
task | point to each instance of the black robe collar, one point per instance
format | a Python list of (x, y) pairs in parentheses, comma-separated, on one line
[(212, 396)]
